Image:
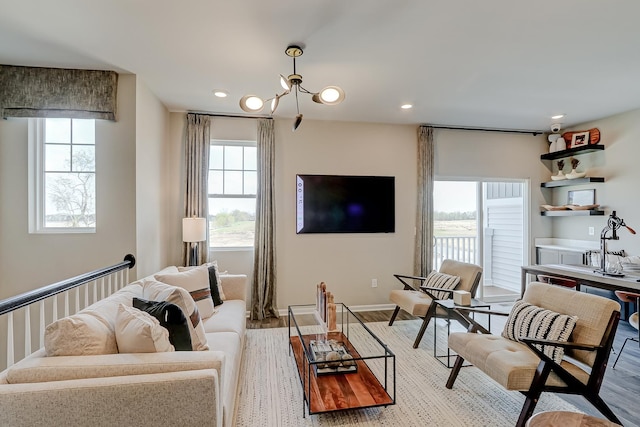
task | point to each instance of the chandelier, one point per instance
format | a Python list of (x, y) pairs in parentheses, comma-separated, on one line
[(330, 95)]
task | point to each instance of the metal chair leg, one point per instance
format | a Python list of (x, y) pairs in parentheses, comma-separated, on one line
[(620, 354)]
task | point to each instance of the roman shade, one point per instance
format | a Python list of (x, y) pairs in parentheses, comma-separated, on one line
[(57, 92)]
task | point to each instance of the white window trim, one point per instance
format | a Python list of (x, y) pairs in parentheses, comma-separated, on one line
[(240, 143), (35, 179)]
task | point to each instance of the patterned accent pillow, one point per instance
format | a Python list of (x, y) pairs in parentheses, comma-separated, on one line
[(196, 281), (529, 321), (442, 281), (216, 285)]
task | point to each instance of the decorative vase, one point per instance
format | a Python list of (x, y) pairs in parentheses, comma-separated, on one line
[(560, 176), (574, 175)]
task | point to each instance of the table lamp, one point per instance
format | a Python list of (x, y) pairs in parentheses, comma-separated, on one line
[(194, 230)]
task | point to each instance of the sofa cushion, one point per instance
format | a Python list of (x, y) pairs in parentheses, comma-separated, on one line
[(170, 317), (529, 321), (231, 344), (139, 332), (78, 335), (211, 266), (442, 281), (229, 318), (196, 281), (157, 291)]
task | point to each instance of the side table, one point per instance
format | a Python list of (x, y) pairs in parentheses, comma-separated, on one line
[(448, 305)]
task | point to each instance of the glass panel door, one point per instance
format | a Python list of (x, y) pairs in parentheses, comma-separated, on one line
[(483, 222)]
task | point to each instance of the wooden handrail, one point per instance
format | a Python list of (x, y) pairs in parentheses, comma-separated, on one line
[(11, 304)]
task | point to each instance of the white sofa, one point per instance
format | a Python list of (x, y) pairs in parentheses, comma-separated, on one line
[(136, 389)]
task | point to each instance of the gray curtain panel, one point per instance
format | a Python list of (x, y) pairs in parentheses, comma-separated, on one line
[(196, 202), (57, 92), (423, 254), (263, 287)]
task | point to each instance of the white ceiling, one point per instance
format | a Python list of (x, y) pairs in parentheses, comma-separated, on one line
[(492, 64)]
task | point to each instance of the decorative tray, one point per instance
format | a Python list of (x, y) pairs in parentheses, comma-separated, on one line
[(554, 208), (581, 207), (333, 357)]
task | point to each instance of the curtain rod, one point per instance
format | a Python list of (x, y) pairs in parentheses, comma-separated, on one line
[(532, 132), (231, 116)]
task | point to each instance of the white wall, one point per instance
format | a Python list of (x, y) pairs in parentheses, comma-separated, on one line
[(348, 262), (618, 164), (28, 261), (152, 180)]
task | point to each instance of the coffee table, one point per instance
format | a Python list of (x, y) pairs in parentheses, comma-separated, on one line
[(367, 380)]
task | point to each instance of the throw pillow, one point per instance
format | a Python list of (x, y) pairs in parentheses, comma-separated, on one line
[(170, 317), (213, 285), (218, 280), (196, 281), (139, 332), (157, 291), (79, 335), (442, 281), (529, 321)]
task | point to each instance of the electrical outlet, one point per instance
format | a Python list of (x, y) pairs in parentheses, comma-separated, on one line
[(374, 283), (592, 231)]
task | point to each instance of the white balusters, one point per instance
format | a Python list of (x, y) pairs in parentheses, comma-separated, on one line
[(27, 330), (66, 304), (10, 358), (77, 299), (41, 329)]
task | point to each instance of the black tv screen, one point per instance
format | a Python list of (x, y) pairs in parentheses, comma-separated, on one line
[(345, 204)]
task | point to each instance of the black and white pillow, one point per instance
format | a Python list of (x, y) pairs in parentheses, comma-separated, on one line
[(170, 317), (442, 281), (529, 321)]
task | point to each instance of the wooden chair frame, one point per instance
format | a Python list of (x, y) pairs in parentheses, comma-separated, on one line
[(590, 390), (431, 311)]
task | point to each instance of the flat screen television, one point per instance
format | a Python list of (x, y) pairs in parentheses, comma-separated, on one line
[(345, 204)]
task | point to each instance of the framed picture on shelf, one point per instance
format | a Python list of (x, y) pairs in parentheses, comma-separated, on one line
[(579, 139), (582, 197)]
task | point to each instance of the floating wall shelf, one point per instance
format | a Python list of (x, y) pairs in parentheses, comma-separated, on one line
[(591, 212), (567, 182), (572, 152)]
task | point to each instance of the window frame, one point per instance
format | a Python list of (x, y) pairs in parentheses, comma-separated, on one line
[(212, 196), (36, 182)]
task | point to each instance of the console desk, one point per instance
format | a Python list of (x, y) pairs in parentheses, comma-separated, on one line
[(584, 275)]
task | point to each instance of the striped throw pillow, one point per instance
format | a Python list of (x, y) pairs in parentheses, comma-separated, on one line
[(442, 281), (529, 321)]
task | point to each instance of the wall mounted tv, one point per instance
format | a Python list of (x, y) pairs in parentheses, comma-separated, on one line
[(345, 204)]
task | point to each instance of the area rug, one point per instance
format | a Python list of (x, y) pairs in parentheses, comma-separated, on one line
[(270, 393)]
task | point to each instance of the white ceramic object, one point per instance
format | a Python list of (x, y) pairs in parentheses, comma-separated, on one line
[(574, 175), (561, 144), (559, 177), (552, 147)]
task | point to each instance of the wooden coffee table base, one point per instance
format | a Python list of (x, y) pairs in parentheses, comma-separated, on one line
[(337, 392)]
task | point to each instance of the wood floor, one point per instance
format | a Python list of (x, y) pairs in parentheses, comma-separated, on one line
[(620, 388)]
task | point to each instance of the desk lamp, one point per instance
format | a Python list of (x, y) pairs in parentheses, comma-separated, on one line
[(194, 230)]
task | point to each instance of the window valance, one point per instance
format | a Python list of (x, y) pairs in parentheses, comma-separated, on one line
[(57, 92)]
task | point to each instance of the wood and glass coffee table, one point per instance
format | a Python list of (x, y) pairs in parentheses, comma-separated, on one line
[(364, 378)]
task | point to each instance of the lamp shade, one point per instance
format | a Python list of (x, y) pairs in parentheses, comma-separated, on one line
[(194, 229)]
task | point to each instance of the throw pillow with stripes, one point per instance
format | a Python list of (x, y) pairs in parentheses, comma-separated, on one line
[(442, 281), (529, 321)]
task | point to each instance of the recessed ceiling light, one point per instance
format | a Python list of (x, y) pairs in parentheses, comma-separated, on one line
[(221, 93), (406, 106), (557, 116)]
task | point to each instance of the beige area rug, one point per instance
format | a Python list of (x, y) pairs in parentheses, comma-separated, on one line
[(271, 393)]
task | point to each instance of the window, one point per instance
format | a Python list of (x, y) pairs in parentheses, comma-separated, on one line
[(62, 178), (233, 181)]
